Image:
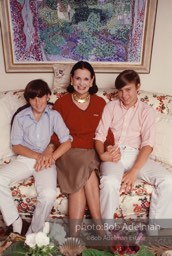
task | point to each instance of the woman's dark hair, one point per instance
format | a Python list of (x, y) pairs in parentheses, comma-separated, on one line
[(126, 77), (84, 65), (36, 88)]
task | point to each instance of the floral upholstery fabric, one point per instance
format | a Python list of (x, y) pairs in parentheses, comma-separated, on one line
[(134, 205), (161, 103)]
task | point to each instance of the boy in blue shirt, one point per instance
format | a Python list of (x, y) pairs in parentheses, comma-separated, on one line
[(30, 136)]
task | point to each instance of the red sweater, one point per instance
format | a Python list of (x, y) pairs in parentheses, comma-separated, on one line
[(81, 123)]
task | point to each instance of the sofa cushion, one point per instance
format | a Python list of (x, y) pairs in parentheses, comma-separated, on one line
[(61, 75), (24, 194), (132, 205), (135, 204), (160, 102), (9, 102), (163, 148)]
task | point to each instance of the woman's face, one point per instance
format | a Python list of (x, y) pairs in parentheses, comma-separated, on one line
[(82, 81)]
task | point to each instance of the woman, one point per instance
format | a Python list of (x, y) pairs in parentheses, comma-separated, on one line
[(81, 110)]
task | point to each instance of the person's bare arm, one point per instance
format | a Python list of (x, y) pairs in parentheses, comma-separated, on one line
[(63, 148), (24, 151), (43, 160), (50, 155), (110, 154)]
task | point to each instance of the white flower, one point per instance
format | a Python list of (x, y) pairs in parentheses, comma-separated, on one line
[(39, 239), (46, 228), (30, 240), (42, 239)]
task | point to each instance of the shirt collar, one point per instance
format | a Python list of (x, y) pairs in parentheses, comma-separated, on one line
[(28, 111), (134, 106)]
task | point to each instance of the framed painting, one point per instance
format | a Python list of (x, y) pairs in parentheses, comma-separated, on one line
[(111, 34)]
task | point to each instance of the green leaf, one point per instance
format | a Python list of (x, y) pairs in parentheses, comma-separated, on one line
[(144, 251), (94, 252), (16, 249)]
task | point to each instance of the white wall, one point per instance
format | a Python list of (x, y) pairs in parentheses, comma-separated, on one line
[(159, 79)]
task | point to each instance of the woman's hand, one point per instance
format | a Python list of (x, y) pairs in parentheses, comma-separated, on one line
[(115, 153), (112, 154)]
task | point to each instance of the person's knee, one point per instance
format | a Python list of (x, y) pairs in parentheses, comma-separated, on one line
[(107, 167), (167, 183), (109, 183), (4, 182)]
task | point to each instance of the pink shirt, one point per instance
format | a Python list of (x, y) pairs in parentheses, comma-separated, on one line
[(133, 127)]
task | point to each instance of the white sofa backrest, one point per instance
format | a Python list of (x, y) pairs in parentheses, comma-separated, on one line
[(10, 101)]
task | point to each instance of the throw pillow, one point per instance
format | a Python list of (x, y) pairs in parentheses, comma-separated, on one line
[(56, 94), (163, 149), (160, 102), (107, 94), (61, 75), (9, 103)]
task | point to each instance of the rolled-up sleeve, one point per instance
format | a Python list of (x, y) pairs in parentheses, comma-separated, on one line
[(16, 132), (148, 128), (60, 128), (105, 122)]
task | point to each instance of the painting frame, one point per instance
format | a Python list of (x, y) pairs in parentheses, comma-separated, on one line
[(100, 67)]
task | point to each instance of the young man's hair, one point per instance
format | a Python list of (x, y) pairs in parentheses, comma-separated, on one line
[(36, 88), (84, 65), (126, 77)]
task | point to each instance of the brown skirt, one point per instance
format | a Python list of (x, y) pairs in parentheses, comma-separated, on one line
[(75, 167)]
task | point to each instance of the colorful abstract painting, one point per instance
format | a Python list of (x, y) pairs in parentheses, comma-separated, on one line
[(104, 32), (100, 30)]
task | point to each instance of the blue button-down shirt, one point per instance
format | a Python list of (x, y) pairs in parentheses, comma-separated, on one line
[(34, 134)]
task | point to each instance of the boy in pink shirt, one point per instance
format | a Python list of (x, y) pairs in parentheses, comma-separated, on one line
[(132, 123)]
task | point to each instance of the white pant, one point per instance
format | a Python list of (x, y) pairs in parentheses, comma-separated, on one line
[(45, 184), (152, 172)]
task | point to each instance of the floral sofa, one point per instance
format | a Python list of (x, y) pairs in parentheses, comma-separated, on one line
[(133, 205)]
